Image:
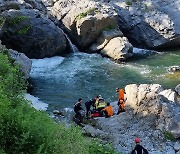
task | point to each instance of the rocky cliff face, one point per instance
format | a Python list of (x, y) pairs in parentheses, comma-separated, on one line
[(149, 24), (92, 25)]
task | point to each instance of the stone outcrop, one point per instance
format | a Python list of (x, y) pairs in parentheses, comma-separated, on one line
[(92, 25), (30, 32), (149, 24), (158, 102), (23, 61), (118, 49), (149, 115)]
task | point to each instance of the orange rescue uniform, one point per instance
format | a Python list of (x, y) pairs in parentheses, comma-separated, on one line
[(122, 105), (121, 94), (109, 110)]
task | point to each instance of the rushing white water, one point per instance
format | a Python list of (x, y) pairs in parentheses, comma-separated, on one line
[(60, 81), (72, 46), (36, 103)]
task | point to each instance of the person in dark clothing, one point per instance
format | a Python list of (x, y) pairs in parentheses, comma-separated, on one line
[(138, 148), (88, 105), (77, 108)]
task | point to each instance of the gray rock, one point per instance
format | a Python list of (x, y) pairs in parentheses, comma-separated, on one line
[(23, 61), (104, 38), (118, 49), (174, 126), (151, 99), (29, 32), (169, 94), (177, 146), (149, 23), (177, 89), (174, 69), (178, 152), (91, 131)]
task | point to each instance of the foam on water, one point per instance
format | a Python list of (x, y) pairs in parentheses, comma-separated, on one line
[(44, 66), (36, 103)]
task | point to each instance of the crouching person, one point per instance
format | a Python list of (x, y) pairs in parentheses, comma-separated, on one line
[(108, 111), (121, 105)]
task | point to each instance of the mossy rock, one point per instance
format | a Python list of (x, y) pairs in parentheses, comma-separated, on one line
[(17, 20), (92, 11)]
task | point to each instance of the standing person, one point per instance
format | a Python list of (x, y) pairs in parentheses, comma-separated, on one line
[(88, 105), (138, 148), (108, 110), (121, 93), (121, 100), (77, 108)]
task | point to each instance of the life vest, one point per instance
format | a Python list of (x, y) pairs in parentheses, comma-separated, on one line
[(100, 103)]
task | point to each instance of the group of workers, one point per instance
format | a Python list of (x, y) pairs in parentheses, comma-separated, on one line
[(100, 108)]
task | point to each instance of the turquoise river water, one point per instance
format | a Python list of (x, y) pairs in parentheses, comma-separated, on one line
[(60, 81)]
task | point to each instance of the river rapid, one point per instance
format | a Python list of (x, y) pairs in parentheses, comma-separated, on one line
[(60, 81)]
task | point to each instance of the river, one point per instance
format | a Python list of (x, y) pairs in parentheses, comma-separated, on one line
[(60, 81)]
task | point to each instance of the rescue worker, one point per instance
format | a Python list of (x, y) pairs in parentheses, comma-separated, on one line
[(100, 103), (77, 108), (138, 148), (121, 105), (121, 93), (88, 105), (108, 110)]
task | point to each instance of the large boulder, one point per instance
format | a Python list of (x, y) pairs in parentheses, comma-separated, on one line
[(149, 24), (29, 32), (118, 49), (153, 100), (23, 61)]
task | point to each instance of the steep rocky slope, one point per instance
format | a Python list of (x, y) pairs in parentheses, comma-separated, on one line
[(149, 115)]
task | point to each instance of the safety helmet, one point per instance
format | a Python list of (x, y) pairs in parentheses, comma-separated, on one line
[(99, 96), (137, 140)]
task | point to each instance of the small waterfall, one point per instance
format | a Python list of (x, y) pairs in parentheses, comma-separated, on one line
[(72, 46)]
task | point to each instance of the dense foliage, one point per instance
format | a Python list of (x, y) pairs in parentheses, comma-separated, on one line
[(25, 130)]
